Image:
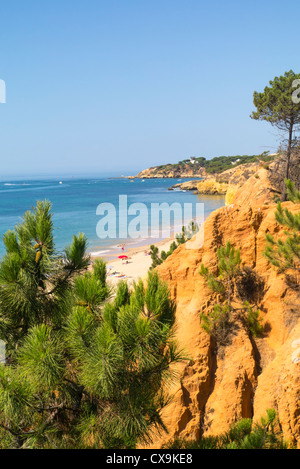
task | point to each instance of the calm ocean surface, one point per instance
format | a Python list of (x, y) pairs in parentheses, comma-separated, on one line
[(74, 203)]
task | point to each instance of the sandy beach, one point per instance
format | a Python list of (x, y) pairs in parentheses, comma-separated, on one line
[(136, 265)]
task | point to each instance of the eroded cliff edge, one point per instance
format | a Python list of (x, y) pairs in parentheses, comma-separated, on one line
[(247, 376)]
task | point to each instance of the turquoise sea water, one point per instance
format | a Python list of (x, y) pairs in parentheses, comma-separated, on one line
[(75, 201)]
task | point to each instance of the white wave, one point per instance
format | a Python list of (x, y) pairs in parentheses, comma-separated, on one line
[(98, 253), (14, 184)]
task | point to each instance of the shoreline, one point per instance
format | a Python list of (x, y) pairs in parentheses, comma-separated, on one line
[(138, 261), (136, 265)]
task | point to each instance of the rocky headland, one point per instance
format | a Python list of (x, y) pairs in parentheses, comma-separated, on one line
[(200, 167), (226, 182), (171, 171)]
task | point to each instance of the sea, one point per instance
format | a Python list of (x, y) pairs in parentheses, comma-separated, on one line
[(80, 205)]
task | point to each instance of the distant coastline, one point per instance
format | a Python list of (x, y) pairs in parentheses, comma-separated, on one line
[(200, 167), (75, 202)]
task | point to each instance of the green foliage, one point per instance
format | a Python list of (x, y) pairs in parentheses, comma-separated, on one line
[(181, 238), (228, 268), (244, 434), (99, 268), (187, 232), (36, 281), (213, 165), (285, 253), (217, 321), (222, 163), (122, 296), (275, 104), (229, 261), (90, 290), (292, 192), (252, 318), (156, 259), (88, 370), (157, 300), (41, 358)]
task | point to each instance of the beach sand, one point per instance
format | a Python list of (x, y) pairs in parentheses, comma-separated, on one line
[(136, 266)]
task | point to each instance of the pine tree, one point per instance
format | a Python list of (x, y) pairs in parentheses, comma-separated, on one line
[(228, 268), (187, 232), (155, 257), (181, 238), (216, 322), (285, 253), (36, 280), (91, 369), (276, 106)]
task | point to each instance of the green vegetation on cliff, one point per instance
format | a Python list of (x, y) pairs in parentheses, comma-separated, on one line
[(244, 434), (222, 163), (284, 254), (214, 165)]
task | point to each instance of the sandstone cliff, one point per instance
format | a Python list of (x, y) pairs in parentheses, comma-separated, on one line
[(246, 377), (221, 183), (208, 186), (229, 181), (186, 185)]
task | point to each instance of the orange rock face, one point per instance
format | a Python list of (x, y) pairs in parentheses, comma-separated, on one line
[(219, 386)]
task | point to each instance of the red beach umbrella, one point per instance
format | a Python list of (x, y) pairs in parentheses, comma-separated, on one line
[(123, 257)]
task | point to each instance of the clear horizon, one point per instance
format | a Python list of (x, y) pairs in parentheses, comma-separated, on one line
[(114, 88)]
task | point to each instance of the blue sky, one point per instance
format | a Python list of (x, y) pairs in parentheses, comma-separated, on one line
[(115, 86)]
